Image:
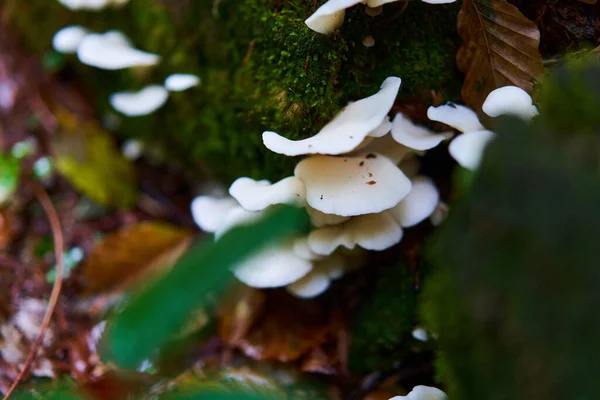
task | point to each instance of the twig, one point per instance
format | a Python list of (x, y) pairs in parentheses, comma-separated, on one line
[(57, 235)]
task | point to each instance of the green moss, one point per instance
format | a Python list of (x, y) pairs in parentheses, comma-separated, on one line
[(261, 69), (384, 320)]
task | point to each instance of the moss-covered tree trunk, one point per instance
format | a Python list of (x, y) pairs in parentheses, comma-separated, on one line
[(261, 69)]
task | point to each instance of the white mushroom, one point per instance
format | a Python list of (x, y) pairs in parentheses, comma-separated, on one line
[(258, 195), (371, 232), (457, 116), (385, 145), (405, 132), (383, 129), (423, 393), (209, 213), (273, 266), (301, 248), (112, 50), (420, 334), (67, 39), (354, 185), (330, 15), (319, 278), (181, 82), (418, 205), (311, 285), (143, 102), (320, 219), (510, 100), (347, 130), (467, 149), (235, 217)]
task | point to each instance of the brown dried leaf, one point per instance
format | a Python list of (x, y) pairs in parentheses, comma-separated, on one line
[(500, 48), (289, 328), (133, 253), (238, 312)]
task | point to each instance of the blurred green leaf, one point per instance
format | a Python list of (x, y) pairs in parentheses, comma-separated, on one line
[(159, 311), (9, 176), (214, 394)]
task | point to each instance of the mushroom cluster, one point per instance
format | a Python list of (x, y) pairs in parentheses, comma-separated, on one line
[(359, 185), (330, 15), (423, 393), (112, 50), (467, 149)]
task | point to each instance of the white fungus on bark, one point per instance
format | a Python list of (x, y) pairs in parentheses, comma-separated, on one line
[(423, 393), (330, 15), (467, 149), (112, 50), (209, 213), (418, 205), (371, 232), (353, 185), (510, 100), (142, 102), (347, 130), (416, 137), (258, 195), (181, 82), (67, 39)]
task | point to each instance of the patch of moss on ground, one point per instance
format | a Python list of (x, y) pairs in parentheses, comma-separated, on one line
[(261, 69), (384, 320)]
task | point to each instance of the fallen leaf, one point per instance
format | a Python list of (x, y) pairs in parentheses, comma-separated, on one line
[(238, 311), (289, 329), (500, 48), (131, 254), (87, 156)]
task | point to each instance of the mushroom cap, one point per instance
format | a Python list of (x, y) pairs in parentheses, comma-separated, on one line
[(143, 102), (405, 132), (347, 130), (329, 16), (383, 129), (459, 117), (423, 393), (420, 334), (311, 285), (258, 195), (319, 278), (371, 232), (67, 39), (181, 82), (235, 217), (509, 100), (209, 212), (84, 4), (112, 50), (273, 266), (418, 205), (320, 219), (301, 248), (352, 185), (467, 149), (438, 1), (386, 146)]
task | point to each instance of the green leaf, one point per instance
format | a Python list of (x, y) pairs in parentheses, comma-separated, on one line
[(214, 394), (9, 176), (161, 309)]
